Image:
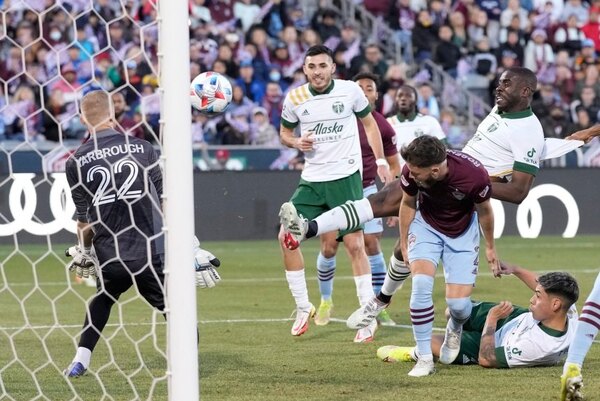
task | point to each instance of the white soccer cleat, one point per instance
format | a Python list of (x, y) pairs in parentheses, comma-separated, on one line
[(571, 383), (423, 368), (365, 315), (295, 226), (367, 334), (451, 346), (303, 317)]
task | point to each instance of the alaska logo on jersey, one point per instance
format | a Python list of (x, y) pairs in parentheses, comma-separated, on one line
[(337, 107), (321, 129)]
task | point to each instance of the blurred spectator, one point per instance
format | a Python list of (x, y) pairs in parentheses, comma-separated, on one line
[(568, 36), (554, 7), (324, 23), (576, 8), (514, 8), (424, 37), (455, 134), (459, 31), (125, 123), (477, 28), (587, 101), (239, 99), (20, 123), (254, 87), (427, 102), (246, 12), (289, 37), (282, 61), (221, 11), (590, 79), (402, 19), (225, 55), (274, 17), (309, 38), (371, 61), (379, 8), (297, 19), (545, 99), (513, 45), (591, 29), (446, 53), (273, 103), (556, 123), (438, 12), (199, 12), (581, 122), (539, 55), (264, 133), (493, 9), (235, 129), (587, 55)]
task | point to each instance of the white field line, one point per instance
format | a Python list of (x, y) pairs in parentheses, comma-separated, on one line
[(219, 321), (482, 275)]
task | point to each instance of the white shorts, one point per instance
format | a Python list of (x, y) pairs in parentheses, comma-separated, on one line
[(374, 226), (459, 256)]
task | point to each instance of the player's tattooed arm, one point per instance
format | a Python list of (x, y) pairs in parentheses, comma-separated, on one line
[(487, 346)]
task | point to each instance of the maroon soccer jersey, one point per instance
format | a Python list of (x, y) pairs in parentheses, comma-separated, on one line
[(388, 137), (449, 204)]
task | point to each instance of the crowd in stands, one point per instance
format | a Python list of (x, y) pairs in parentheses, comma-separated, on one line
[(53, 52)]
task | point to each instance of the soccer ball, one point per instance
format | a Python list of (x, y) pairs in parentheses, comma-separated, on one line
[(210, 92)]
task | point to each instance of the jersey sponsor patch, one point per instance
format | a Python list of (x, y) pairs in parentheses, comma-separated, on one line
[(485, 191)]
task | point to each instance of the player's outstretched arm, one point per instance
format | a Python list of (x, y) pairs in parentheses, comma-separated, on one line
[(587, 134), (487, 346), (526, 276), (485, 215), (514, 191), (408, 211)]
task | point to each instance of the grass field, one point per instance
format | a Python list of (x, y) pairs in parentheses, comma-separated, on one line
[(246, 351)]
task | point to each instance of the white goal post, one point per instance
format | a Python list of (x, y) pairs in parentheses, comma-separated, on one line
[(179, 200)]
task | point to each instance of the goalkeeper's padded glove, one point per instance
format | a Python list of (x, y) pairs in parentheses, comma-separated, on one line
[(205, 264), (85, 262)]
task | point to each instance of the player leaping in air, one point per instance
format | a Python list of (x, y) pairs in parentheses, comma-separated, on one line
[(508, 142)]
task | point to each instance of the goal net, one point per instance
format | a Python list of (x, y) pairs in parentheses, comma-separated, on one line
[(51, 54)]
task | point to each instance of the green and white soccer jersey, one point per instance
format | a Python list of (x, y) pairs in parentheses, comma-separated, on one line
[(408, 129), (525, 342), (507, 142), (331, 117)]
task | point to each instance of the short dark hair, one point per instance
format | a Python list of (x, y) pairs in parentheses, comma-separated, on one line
[(318, 49), (424, 151), (526, 76), (367, 75), (414, 91), (562, 285)]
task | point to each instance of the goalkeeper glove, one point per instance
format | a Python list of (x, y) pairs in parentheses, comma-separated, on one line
[(84, 263), (205, 264)]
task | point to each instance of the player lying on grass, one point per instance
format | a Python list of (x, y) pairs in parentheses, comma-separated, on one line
[(500, 335)]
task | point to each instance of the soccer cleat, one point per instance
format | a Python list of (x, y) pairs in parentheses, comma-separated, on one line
[(451, 345), (367, 334), (393, 353), (571, 383), (422, 368), (302, 318), (295, 225), (363, 316), (324, 312), (75, 370), (384, 318)]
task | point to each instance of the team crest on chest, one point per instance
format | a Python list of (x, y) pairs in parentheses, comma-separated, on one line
[(458, 195), (337, 107), (493, 127)]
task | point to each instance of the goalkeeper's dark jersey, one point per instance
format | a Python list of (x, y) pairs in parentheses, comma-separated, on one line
[(116, 184)]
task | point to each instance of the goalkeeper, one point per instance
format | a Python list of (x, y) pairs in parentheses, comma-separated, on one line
[(500, 335), (116, 186)]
